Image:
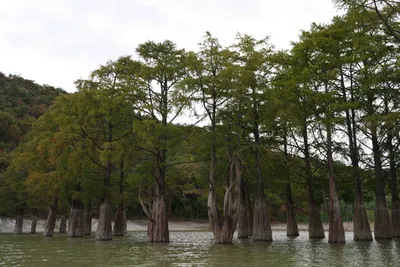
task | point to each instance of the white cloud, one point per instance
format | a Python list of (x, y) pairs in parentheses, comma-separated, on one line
[(56, 42)]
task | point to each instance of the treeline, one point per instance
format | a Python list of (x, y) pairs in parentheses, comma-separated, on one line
[(242, 124)]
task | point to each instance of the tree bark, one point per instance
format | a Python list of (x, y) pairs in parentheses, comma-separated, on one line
[(361, 227), (63, 225), (76, 220), (34, 221), (88, 218), (244, 228), (291, 224), (51, 219), (104, 231), (315, 227), (120, 221), (19, 223), (336, 230), (383, 226), (261, 224)]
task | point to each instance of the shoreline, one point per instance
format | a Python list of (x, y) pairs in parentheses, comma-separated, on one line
[(7, 225)]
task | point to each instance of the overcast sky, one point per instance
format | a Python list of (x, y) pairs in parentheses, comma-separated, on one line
[(58, 41)]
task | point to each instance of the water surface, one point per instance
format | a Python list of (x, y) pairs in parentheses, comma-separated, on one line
[(193, 249)]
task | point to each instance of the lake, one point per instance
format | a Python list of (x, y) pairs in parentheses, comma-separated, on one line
[(193, 249)]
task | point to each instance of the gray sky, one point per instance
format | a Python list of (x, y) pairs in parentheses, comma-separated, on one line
[(58, 41)]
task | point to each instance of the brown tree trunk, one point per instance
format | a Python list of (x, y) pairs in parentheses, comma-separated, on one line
[(291, 224), (63, 225), (51, 219), (383, 227), (244, 228), (315, 227), (361, 227), (292, 228), (395, 196), (157, 230), (76, 220), (19, 223), (34, 221), (120, 221), (336, 230), (88, 219)]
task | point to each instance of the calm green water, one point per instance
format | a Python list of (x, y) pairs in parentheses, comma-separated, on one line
[(193, 249)]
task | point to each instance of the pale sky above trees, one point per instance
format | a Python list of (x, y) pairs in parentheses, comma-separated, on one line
[(56, 42)]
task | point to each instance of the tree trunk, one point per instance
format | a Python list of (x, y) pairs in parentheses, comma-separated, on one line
[(361, 227), (383, 226), (291, 225), (19, 223), (336, 230), (395, 196), (104, 231), (51, 219), (244, 228), (88, 219), (315, 227), (120, 227), (291, 222), (120, 221), (76, 220), (34, 221), (157, 230), (63, 225)]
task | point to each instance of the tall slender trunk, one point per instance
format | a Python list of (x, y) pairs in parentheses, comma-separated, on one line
[(362, 229), (87, 214), (394, 192), (51, 218), (393, 175), (336, 230), (383, 227), (315, 227), (34, 221), (292, 228), (261, 223), (104, 230), (76, 220), (63, 225)]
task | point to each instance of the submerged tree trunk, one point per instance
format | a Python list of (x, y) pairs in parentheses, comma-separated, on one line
[(244, 227), (261, 224), (120, 227), (315, 227), (291, 224), (104, 231), (394, 192), (88, 219), (63, 225), (34, 221), (383, 227), (19, 222), (120, 221), (336, 230), (361, 227), (76, 220), (51, 219), (292, 228)]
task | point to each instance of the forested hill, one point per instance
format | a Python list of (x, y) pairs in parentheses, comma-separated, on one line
[(22, 101)]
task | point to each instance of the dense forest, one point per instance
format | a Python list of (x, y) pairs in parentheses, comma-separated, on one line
[(242, 134)]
